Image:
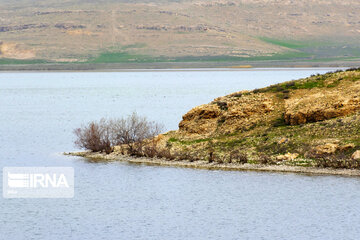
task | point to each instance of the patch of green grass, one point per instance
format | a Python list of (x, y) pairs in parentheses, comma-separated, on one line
[(317, 81), (198, 140), (279, 122), (232, 143), (283, 56), (294, 44), (354, 78), (118, 57), (320, 50), (276, 56), (332, 59), (311, 84), (334, 84), (173, 140)]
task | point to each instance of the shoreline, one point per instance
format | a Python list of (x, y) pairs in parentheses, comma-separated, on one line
[(170, 66), (216, 166)]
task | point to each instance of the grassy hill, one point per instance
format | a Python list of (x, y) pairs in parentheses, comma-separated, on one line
[(178, 31)]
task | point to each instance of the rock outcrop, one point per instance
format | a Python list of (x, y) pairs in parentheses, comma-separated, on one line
[(227, 114), (308, 100), (287, 157), (320, 104), (356, 155), (328, 148)]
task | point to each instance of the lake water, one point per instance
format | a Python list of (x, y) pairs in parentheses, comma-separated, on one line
[(38, 112)]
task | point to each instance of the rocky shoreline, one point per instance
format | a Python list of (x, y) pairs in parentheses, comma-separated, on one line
[(93, 156)]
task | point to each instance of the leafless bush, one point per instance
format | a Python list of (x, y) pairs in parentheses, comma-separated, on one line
[(94, 136), (133, 129), (211, 156), (184, 155), (104, 134), (136, 149), (238, 157), (150, 150), (265, 159), (165, 153), (218, 158), (337, 161)]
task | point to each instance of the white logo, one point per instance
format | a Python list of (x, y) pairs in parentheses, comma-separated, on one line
[(38, 182)]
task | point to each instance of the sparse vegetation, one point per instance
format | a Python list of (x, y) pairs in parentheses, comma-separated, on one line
[(103, 135), (337, 161), (294, 44), (222, 105), (328, 80), (264, 159), (238, 157)]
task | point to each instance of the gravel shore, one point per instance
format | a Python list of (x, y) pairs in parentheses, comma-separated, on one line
[(215, 166)]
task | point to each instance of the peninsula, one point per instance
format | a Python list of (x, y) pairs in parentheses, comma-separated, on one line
[(310, 125)]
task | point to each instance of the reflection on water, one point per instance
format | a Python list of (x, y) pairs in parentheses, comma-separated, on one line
[(128, 201)]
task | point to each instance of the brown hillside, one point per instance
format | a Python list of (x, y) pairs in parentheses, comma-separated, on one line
[(79, 30)]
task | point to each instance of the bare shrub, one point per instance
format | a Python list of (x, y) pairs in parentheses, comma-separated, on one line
[(94, 136), (211, 156), (184, 155), (150, 150), (211, 151), (265, 159), (238, 157), (337, 161), (219, 158), (165, 153), (353, 69), (104, 134), (134, 129), (193, 157), (136, 149)]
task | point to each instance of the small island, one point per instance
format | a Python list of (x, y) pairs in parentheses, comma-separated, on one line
[(310, 125)]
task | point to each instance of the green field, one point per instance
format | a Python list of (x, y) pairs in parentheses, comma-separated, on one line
[(300, 51), (126, 57), (293, 44)]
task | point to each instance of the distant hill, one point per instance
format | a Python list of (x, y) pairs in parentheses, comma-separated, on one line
[(178, 31)]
